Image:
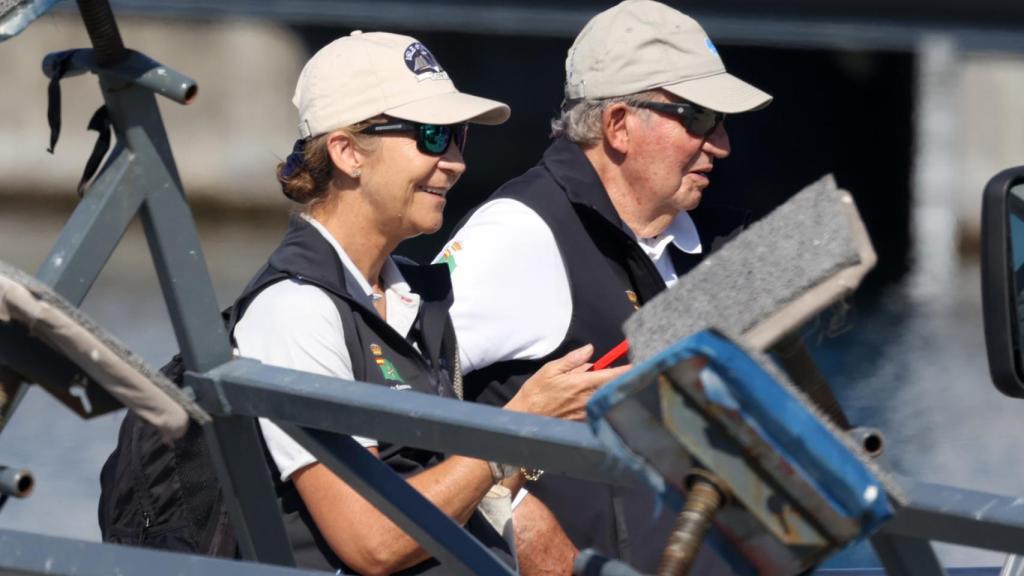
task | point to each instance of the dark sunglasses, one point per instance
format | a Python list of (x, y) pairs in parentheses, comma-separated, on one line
[(432, 139), (701, 122)]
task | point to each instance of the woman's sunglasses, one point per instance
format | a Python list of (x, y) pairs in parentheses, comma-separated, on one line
[(432, 139), (701, 122)]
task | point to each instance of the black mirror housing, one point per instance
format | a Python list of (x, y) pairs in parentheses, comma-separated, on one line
[(1000, 297)]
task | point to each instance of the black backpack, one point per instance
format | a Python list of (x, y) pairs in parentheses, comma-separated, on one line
[(164, 496)]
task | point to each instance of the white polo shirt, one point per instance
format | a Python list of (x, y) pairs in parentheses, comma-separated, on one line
[(296, 325), (512, 297)]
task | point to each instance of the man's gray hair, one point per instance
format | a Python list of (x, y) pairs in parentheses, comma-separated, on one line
[(580, 121)]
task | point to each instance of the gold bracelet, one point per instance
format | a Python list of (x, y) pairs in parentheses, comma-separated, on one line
[(531, 474)]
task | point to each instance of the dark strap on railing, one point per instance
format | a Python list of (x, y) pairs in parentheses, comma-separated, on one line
[(100, 122), (60, 68)]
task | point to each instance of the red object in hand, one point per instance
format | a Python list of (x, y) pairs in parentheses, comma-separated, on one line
[(612, 356)]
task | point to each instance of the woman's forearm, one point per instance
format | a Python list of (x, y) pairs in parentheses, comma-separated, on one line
[(363, 537)]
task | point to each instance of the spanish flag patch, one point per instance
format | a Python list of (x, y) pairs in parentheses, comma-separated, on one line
[(448, 256)]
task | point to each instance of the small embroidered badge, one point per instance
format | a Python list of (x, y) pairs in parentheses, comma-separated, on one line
[(388, 370), (448, 256), (631, 296)]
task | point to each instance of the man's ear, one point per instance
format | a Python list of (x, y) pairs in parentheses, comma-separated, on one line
[(615, 127), (346, 158)]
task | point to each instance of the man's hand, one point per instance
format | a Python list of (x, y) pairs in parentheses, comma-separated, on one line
[(541, 544)]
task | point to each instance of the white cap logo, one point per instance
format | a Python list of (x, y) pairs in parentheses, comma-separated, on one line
[(423, 64)]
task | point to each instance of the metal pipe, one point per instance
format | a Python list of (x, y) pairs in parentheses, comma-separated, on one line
[(136, 68), (16, 482), (702, 501), (869, 439)]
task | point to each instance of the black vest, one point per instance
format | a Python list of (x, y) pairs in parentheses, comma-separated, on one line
[(379, 355), (609, 278)]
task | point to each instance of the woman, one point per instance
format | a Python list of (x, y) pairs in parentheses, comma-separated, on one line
[(383, 130)]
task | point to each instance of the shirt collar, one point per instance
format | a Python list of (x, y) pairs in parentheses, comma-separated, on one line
[(681, 231), (390, 275)]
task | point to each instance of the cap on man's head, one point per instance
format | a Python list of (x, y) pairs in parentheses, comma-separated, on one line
[(641, 45), (360, 76)]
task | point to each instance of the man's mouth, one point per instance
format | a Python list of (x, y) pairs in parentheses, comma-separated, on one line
[(702, 175)]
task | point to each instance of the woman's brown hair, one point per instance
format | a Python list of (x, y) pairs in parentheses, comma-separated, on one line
[(306, 174)]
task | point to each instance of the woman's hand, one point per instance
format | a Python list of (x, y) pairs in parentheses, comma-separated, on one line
[(562, 387)]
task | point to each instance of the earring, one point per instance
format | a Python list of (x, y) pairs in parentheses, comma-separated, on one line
[(357, 173)]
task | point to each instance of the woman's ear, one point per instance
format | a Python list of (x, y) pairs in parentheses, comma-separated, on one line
[(344, 154), (615, 128)]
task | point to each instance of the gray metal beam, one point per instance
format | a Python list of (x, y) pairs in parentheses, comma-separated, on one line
[(438, 534), (248, 490), (246, 387), (906, 555), (959, 516), (172, 236), (24, 553), (94, 230)]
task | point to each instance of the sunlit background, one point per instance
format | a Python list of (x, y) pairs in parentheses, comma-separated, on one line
[(913, 104)]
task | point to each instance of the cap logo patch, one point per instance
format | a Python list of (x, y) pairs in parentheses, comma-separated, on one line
[(711, 46), (423, 64)]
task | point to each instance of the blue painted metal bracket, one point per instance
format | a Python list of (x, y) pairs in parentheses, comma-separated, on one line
[(707, 402)]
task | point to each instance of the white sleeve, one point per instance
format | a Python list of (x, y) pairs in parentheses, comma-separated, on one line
[(512, 298), (294, 325)]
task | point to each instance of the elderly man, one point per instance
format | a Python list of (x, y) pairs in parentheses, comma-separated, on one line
[(562, 255)]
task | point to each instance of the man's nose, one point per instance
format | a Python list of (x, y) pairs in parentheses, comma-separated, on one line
[(717, 144)]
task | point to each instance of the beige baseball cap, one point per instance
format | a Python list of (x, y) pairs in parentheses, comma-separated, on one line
[(641, 45), (363, 75)]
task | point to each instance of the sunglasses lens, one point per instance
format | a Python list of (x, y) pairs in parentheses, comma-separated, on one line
[(434, 138), (704, 122), (461, 134)]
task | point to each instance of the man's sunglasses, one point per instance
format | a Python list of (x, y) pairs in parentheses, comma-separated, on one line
[(701, 122), (432, 139)]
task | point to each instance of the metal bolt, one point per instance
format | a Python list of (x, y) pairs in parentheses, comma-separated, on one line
[(703, 500)]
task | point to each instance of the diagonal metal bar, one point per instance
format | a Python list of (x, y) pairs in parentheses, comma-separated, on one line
[(959, 516), (24, 553), (445, 540), (246, 387), (248, 492), (94, 230), (906, 555)]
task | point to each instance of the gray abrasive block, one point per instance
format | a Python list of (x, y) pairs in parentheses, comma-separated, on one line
[(766, 282)]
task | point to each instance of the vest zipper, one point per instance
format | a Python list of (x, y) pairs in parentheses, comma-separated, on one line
[(146, 522)]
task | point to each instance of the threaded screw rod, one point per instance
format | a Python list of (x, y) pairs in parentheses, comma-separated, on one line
[(103, 31), (703, 500)]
